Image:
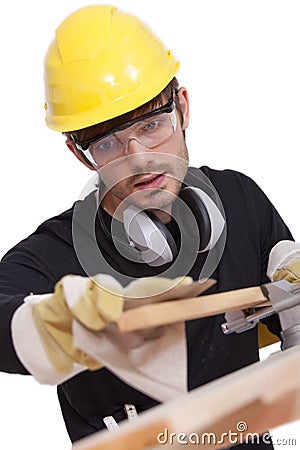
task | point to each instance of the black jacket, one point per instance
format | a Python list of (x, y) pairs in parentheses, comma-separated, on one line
[(39, 261)]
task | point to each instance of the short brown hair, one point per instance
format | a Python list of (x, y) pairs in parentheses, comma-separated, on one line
[(87, 134)]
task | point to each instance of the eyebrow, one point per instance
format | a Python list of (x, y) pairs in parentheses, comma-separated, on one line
[(167, 108)]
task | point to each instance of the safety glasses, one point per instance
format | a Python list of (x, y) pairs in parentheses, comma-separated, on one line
[(150, 130)]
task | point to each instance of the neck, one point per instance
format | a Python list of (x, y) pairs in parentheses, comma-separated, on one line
[(117, 212), (164, 216)]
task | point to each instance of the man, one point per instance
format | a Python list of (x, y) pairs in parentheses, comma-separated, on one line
[(111, 89)]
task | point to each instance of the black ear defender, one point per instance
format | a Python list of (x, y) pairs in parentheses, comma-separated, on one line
[(150, 236)]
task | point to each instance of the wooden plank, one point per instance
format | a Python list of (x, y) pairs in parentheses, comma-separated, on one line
[(262, 396), (157, 314), (178, 291)]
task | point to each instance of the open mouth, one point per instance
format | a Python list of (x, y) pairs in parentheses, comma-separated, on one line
[(151, 181)]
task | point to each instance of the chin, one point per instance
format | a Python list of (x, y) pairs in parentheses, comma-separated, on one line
[(157, 199)]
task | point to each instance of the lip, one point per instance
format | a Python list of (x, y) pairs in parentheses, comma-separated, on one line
[(150, 182)]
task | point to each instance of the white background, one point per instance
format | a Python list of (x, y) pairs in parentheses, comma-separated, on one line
[(240, 63)]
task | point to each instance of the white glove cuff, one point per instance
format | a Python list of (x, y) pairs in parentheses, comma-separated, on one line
[(282, 254), (29, 348)]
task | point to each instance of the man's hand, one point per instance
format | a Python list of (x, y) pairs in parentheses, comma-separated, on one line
[(284, 262), (46, 326), (80, 298), (291, 273)]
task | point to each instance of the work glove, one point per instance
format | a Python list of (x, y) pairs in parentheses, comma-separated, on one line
[(284, 262), (290, 272), (46, 327), (77, 298)]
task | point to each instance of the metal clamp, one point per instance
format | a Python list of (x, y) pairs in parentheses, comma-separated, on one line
[(240, 321), (285, 299)]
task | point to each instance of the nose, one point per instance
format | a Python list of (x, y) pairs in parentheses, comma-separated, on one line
[(134, 146), (139, 155)]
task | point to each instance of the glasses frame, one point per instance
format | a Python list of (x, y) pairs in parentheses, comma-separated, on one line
[(84, 147)]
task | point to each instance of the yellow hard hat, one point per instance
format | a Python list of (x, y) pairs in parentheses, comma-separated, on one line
[(101, 64)]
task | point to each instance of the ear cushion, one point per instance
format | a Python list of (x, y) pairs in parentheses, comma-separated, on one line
[(147, 234), (162, 227), (208, 216), (192, 199)]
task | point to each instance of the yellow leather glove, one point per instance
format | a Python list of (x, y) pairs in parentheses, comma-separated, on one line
[(291, 273), (280, 255), (92, 305)]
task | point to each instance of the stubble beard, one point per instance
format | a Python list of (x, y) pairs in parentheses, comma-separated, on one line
[(157, 199), (153, 198)]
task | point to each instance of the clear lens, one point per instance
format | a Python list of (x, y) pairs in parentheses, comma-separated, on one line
[(150, 132)]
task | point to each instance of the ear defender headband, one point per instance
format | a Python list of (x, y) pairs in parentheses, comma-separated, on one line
[(149, 238)]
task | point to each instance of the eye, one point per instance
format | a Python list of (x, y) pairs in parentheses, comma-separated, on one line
[(148, 127), (104, 145)]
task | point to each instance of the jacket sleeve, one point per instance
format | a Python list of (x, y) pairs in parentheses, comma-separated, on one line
[(21, 274), (270, 229)]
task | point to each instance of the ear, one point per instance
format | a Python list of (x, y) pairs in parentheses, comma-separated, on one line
[(79, 155), (184, 105)]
